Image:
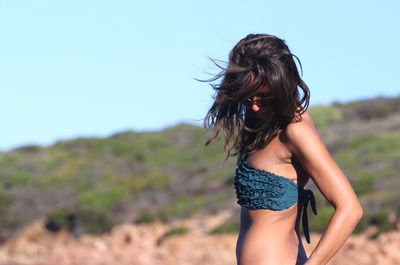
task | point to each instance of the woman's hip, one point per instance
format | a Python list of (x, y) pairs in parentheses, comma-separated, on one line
[(268, 246)]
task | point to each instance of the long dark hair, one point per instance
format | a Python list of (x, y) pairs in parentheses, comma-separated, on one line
[(259, 65)]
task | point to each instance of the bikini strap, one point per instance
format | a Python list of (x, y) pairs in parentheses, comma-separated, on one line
[(307, 195)]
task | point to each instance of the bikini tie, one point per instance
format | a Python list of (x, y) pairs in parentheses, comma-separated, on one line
[(307, 196)]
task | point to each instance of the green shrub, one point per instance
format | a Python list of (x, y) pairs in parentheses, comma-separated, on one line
[(381, 220), (373, 147), (84, 220), (212, 153), (19, 178), (322, 114), (219, 198), (9, 160), (180, 230), (146, 216), (122, 148), (134, 182), (59, 219), (139, 156), (29, 149), (5, 202), (222, 175), (171, 156), (56, 159), (50, 182), (183, 206), (363, 224), (319, 222), (365, 183), (227, 228), (217, 201), (350, 162), (158, 179), (151, 142), (376, 108), (103, 197), (149, 179), (360, 141)]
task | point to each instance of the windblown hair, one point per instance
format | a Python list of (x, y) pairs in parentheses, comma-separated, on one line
[(259, 65)]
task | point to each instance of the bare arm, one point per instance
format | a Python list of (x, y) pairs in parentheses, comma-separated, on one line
[(306, 145)]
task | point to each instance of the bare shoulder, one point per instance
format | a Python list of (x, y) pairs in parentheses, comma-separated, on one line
[(304, 142), (298, 130)]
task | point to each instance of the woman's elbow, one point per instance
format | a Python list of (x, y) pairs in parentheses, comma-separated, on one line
[(358, 211), (352, 211), (355, 211)]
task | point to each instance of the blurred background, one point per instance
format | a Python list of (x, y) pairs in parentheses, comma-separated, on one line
[(102, 154)]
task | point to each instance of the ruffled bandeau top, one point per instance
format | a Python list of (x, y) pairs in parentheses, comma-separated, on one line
[(261, 189)]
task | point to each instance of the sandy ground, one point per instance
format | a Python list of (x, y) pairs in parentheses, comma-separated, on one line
[(144, 244)]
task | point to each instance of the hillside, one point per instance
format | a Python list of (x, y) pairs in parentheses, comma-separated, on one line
[(91, 184)]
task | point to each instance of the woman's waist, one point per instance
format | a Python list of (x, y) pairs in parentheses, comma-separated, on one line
[(281, 228), (269, 216), (267, 221), (268, 239), (273, 243)]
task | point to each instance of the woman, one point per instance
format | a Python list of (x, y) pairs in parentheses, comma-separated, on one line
[(259, 108)]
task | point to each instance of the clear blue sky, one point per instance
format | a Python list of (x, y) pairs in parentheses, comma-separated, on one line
[(93, 68)]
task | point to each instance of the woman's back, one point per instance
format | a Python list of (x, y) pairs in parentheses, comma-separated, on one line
[(269, 236)]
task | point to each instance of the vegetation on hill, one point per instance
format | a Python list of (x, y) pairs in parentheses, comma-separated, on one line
[(89, 184)]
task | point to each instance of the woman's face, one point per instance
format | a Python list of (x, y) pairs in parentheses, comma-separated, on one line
[(255, 103)]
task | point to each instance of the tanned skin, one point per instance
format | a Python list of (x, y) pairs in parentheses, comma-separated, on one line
[(270, 237)]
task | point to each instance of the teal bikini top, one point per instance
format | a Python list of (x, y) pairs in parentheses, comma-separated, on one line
[(260, 189)]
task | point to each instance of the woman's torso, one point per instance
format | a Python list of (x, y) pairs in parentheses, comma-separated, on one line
[(269, 237)]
